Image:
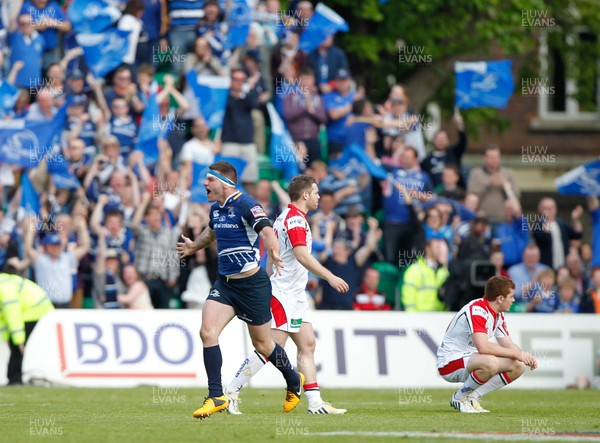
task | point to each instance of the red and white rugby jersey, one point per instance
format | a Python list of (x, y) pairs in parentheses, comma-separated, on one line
[(292, 229), (476, 316)]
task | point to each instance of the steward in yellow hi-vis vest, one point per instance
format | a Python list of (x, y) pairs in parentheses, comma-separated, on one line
[(22, 304)]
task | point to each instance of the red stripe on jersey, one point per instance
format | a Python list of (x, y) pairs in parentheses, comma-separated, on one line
[(296, 234), (278, 312), (452, 366)]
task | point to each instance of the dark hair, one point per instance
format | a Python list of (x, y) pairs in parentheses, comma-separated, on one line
[(491, 147), (10, 269), (497, 286), (454, 167), (326, 192), (134, 6), (307, 71), (413, 149), (299, 185), (113, 213), (358, 106), (225, 168)]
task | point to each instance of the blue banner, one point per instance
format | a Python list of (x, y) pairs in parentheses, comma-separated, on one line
[(238, 24), (25, 143), (283, 149), (211, 92), (104, 52), (8, 97), (358, 152), (198, 192), (583, 180), (58, 168), (92, 16), (483, 84), (324, 23), (152, 129), (30, 201)]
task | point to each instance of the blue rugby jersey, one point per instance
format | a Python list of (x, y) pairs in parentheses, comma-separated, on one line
[(236, 225)]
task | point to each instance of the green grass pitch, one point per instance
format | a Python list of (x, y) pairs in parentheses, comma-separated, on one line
[(151, 414)]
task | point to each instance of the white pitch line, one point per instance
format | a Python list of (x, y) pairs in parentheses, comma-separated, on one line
[(486, 436)]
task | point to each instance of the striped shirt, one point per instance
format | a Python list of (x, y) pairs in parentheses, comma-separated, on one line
[(155, 253), (185, 13)]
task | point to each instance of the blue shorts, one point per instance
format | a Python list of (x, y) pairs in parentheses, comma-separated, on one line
[(250, 297)]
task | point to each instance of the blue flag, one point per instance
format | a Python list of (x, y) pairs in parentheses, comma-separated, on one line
[(58, 168), (238, 24), (8, 97), (30, 201), (583, 180), (358, 152), (92, 16), (283, 149), (152, 129), (324, 23), (25, 143), (104, 52), (483, 84), (198, 192), (212, 92)]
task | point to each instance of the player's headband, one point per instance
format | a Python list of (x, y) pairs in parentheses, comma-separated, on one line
[(225, 180)]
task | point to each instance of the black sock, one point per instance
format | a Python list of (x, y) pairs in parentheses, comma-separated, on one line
[(213, 360), (281, 361)]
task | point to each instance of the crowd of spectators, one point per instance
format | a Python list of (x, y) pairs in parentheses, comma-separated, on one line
[(422, 239)]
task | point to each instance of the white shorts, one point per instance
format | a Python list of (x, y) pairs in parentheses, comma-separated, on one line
[(455, 371), (289, 311)]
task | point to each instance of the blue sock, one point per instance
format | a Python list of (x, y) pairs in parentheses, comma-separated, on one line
[(213, 360), (281, 361)]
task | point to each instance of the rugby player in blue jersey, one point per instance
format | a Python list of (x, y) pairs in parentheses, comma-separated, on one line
[(242, 288)]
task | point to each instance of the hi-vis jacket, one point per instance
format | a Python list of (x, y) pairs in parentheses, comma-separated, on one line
[(21, 301)]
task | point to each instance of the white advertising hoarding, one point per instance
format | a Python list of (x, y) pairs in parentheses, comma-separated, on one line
[(354, 349)]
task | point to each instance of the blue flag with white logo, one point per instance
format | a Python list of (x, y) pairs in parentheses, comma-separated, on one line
[(324, 23), (104, 52), (30, 200), (238, 24), (92, 16), (358, 152), (8, 97), (483, 84), (25, 143), (583, 180), (283, 149), (212, 92), (152, 129)]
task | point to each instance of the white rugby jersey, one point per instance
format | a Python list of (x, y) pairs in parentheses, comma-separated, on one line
[(476, 316), (292, 229)]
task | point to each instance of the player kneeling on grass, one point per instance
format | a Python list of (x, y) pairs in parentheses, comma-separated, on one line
[(467, 355), (289, 304)]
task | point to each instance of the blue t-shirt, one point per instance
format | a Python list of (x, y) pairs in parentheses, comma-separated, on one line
[(29, 50), (596, 238), (513, 240), (416, 184), (125, 130), (236, 225), (52, 11), (336, 129)]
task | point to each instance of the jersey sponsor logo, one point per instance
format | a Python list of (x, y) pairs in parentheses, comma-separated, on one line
[(215, 214), (258, 211), (231, 213), (295, 222), (225, 225), (222, 218), (478, 310), (214, 293), (295, 322)]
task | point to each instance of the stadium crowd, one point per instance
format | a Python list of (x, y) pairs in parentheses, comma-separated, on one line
[(424, 238)]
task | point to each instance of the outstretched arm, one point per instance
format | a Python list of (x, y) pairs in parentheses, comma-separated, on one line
[(306, 259), (188, 247)]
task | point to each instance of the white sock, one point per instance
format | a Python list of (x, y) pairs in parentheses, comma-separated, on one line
[(470, 385), (496, 382), (313, 394), (253, 363)]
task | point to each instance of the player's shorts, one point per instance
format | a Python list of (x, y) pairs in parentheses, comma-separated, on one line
[(248, 296), (289, 311), (456, 370)]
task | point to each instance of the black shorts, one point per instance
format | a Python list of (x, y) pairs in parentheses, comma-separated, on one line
[(250, 297)]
